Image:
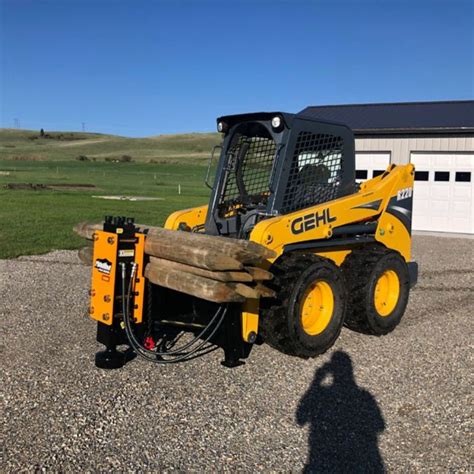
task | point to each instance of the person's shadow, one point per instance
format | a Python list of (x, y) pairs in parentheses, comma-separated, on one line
[(344, 420)]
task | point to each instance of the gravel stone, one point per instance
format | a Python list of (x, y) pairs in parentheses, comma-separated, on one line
[(402, 402)]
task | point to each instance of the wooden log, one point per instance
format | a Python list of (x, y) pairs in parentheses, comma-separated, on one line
[(86, 229), (243, 250), (240, 249), (264, 291), (244, 290), (210, 290), (86, 255), (259, 274), (252, 292), (219, 276), (191, 255)]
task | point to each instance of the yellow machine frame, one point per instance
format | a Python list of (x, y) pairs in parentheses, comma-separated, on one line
[(318, 223)]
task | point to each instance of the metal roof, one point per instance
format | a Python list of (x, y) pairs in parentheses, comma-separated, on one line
[(399, 118)]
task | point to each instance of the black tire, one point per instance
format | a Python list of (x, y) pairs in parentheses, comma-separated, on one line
[(280, 318), (362, 270)]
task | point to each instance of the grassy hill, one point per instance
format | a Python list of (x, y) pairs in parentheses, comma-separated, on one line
[(45, 189), (29, 145)]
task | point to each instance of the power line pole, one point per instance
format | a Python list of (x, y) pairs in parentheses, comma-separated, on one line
[(16, 123), (83, 126)]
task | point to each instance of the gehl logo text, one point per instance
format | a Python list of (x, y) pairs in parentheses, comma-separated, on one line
[(311, 221)]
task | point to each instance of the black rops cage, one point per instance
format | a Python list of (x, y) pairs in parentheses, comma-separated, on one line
[(277, 163)]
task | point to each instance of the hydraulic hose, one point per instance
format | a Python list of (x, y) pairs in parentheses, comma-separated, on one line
[(187, 345), (178, 354)]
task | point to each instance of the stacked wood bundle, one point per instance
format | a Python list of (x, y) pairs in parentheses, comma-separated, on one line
[(209, 267)]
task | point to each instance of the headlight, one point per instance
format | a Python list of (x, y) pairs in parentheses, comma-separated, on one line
[(276, 122), (221, 127)]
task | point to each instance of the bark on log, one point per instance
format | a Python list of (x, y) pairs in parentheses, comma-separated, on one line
[(252, 292), (242, 250), (86, 255), (259, 274), (213, 275), (264, 291), (210, 290), (191, 255), (244, 290), (87, 229)]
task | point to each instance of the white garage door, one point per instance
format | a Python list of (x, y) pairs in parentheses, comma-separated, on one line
[(370, 165), (444, 192)]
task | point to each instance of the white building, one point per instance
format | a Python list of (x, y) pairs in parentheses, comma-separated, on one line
[(437, 137)]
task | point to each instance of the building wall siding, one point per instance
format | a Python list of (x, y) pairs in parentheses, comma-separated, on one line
[(401, 148)]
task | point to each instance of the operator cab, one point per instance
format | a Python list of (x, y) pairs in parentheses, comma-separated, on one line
[(276, 163)]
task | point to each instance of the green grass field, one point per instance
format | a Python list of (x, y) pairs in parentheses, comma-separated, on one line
[(38, 221)]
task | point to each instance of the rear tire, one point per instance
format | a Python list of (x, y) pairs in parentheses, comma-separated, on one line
[(378, 286), (306, 317)]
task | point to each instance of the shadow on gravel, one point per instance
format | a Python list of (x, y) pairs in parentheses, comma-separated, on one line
[(345, 421)]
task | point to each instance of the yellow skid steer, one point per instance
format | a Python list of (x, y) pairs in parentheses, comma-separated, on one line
[(288, 250)]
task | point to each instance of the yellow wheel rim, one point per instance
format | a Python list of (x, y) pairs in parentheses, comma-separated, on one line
[(387, 292), (317, 307)]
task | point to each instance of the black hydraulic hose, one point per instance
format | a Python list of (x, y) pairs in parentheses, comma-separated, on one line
[(168, 345), (143, 352), (200, 353), (195, 350), (151, 355), (196, 338), (187, 345), (139, 349)]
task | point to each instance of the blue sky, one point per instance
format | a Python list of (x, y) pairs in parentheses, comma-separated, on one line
[(143, 68)]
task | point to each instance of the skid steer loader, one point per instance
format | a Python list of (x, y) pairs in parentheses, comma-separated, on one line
[(338, 251)]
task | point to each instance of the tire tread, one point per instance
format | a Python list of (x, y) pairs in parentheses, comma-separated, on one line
[(358, 267), (274, 318)]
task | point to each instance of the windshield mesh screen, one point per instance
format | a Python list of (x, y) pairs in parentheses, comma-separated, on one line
[(249, 167), (316, 171)]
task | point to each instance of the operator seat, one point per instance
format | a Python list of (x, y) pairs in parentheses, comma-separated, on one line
[(311, 185)]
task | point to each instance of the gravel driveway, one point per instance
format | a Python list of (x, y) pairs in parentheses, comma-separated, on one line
[(403, 401)]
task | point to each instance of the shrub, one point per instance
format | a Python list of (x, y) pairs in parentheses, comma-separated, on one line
[(82, 158), (119, 159)]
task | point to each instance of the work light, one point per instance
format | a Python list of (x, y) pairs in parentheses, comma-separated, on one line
[(276, 122)]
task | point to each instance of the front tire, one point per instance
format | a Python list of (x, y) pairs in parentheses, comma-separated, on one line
[(378, 288), (306, 317)]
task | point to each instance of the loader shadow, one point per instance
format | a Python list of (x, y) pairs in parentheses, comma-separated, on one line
[(345, 421)]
